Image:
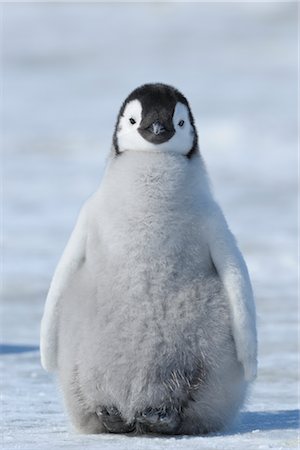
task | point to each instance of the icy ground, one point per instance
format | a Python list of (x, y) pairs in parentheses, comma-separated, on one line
[(65, 75)]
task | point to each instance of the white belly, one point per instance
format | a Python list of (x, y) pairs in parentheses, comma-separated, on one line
[(155, 305)]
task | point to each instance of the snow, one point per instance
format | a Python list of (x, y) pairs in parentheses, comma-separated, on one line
[(65, 75)]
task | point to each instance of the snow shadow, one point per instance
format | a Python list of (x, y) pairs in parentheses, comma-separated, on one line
[(6, 349), (256, 421), (250, 421)]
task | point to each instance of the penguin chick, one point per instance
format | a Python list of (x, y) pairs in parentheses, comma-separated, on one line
[(150, 320)]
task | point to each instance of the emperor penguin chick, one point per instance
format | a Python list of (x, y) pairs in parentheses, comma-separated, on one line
[(150, 319)]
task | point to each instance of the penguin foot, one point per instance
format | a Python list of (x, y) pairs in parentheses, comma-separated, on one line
[(161, 420), (112, 420)]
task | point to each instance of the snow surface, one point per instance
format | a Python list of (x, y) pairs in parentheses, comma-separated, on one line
[(67, 68)]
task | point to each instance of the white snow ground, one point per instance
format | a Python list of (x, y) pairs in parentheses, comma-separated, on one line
[(67, 67)]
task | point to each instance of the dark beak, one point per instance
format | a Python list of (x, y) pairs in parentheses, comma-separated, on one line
[(157, 128), (157, 132)]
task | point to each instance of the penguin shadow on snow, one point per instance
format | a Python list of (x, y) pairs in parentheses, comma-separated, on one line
[(266, 421), (251, 421)]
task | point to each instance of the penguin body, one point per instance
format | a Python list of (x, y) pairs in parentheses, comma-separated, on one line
[(150, 319)]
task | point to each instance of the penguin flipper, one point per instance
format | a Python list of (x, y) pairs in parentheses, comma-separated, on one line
[(73, 256), (232, 270)]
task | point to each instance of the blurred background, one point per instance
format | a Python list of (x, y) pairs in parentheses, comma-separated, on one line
[(66, 69)]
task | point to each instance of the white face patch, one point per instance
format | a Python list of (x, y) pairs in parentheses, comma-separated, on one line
[(129, 138)]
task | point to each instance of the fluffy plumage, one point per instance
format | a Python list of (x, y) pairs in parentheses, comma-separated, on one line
[(150, 319)]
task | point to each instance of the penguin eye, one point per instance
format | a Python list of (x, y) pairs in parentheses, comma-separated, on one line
[(181, 123), (132, 121)]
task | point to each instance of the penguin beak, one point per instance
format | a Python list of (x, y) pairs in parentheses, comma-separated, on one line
[(157, 128), (157, 132)]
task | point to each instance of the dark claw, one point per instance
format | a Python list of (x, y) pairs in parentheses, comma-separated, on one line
[(113, 421), (161, 420)]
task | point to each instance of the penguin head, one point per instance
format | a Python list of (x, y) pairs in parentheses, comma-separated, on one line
[(156, 118)]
